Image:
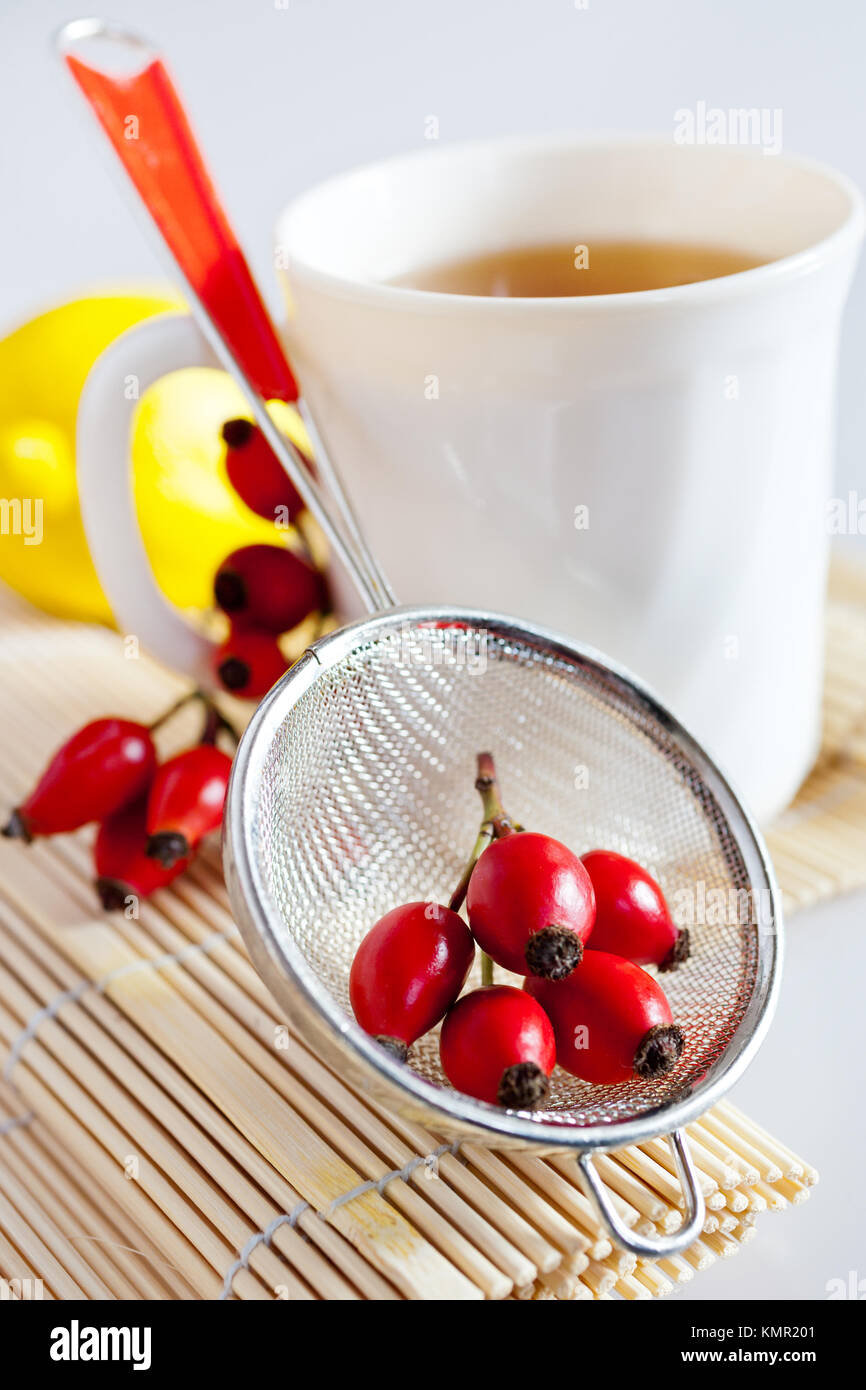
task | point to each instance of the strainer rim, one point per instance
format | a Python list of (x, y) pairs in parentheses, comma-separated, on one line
[(286, 972)]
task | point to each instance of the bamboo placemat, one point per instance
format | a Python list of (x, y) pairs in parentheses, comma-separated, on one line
[(819, 844), (164, 1135)]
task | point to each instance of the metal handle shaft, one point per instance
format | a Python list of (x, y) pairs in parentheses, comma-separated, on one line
[(345, 535)]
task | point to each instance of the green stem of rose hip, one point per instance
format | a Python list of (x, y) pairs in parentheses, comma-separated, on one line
[(455, 902), (485, 835), (177, 707), (487, 785), (216, 723)]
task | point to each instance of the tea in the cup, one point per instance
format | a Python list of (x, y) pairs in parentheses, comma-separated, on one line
[(561, 271)]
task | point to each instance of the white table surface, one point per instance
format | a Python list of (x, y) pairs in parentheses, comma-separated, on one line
[(806, 1086)]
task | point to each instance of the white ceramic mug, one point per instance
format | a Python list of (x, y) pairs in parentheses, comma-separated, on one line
[(645, 472)]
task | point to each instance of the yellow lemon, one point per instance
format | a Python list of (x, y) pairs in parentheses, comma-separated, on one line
[(43, 366), (189, 516)]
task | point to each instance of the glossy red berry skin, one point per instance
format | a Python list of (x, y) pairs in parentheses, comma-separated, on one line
[(123, 869), (409, 968), (100, 768), (603, 1015), (256, 473), (631, 915), (498, 1045), (186, 802), (268, 587), (521, 885), (249, 662)]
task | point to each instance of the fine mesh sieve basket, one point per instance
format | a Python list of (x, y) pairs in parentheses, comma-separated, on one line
[(353, 790)]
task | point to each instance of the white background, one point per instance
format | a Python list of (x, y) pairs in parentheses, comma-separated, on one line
[(282, 97)]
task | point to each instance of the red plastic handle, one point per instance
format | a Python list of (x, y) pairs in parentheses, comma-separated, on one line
[(144, 119)]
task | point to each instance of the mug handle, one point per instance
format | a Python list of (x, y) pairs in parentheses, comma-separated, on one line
[(141, 355)]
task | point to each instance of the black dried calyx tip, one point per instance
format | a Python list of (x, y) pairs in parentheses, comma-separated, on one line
[(523, 1086), (236, 433), (395, 1046), (16, 828), (658, 1051), (234, 673), (167, 846), (679, 952), (230, 591), (553, 952), (113, 893)]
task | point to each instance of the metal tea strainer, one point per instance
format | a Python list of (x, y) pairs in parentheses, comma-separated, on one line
[(352, 788), (352, 791)]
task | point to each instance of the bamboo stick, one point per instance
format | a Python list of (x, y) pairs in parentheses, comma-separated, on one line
[(38, 1219), (14, 1266), (598, 1278), (746, 1171), (16, 1213), (629, 1187), (711, 1174), (771, 1195), (129, 1248), (737, 1200), (677, 1268), (620, 1262), (721, 1245), (789, 1164), (568, 1199), (700, 1255), (646, 1166), (794, 1192), (62, 1205), (631, 1288), (649, 1276), (576, 1264), (560, 1282)]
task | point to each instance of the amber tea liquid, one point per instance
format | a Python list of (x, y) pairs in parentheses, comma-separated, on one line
[(562, 271)]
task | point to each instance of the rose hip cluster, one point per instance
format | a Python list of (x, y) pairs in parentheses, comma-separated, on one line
[(579, 930), (151, 815), (264, 590)]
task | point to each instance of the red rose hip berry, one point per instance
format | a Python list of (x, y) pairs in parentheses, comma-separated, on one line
[(186, 802), (498, 1045), (631, 915), (408, 970), (611, 1019), (249, 662), (268, 587), (256, 473), (122, 865), (531, 905), (102, 767)]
